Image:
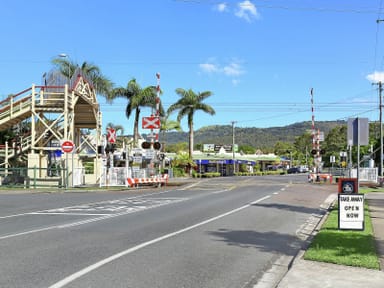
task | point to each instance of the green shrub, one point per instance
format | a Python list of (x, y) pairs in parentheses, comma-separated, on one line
[(211, 174), (178, 172)]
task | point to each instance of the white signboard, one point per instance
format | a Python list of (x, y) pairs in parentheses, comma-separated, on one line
[(137, 159), (343, 154), (208, 147), (351, 211), (150, 154)]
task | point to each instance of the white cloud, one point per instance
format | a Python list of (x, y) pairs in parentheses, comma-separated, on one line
[(246, 10), (376, 77), (221, 7), (209, 67), (233, 69), (235, 82)]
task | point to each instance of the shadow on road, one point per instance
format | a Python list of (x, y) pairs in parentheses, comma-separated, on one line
[(293, 208), (264, 241)]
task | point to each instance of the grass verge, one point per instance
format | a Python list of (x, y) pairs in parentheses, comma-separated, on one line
[(351, 248)]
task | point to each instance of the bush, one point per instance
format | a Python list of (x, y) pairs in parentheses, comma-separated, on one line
[(211, 174), (178, 172)]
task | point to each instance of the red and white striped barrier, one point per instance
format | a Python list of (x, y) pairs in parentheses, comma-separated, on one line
[(317, 177), (135, 182)]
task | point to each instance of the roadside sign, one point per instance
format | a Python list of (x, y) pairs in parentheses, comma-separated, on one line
[(137, 159), (67, 146), (351, 211), (152, 122), (149, 154), (348, 185)]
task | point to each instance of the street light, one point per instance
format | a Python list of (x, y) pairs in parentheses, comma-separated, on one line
[(63, 55)]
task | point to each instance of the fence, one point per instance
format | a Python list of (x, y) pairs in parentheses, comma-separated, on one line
[(24, 177), (365, 174), (114, 176), (118, 176)]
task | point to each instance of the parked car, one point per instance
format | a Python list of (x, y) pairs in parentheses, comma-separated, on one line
[(303, 169), (293, 170)]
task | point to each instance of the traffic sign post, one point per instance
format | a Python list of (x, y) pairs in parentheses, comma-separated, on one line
[(68, 146)]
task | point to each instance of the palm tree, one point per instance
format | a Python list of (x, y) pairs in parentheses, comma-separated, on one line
[(137, 97), (187, 105), (168, 125), (91, 72), (116, 127)]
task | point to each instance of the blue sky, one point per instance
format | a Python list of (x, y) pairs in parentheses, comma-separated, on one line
[(259, 58)]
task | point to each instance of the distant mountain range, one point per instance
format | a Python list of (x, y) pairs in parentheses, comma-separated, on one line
[(255, 137)]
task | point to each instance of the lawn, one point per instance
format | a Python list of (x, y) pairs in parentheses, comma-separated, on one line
[(344, 247)]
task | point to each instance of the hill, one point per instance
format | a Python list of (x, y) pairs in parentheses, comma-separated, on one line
[(255, 137)]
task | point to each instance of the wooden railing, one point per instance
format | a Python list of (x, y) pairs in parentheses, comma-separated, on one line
[(15, 105)]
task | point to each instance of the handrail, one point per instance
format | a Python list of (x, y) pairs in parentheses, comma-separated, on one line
[(13, 96)]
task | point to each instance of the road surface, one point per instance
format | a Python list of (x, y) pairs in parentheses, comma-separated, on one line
[(221, 232)]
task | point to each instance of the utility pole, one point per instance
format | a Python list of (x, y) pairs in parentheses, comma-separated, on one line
[(381, 129), (233, 145), (381, 122), (380, 84)]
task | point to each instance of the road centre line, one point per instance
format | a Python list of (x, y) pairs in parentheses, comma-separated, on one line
[(114, 257)]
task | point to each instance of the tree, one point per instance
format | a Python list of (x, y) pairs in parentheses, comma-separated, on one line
[(168, 125), (117, 128), (182, 163), (187, 105), (334, 143), (303, 147), (283, 148), (247, 149), (137, 97), (101, 83), (177, 147)]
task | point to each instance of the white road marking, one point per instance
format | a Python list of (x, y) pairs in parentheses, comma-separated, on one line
[(190, 186), (70, 213), (42, 211), (155, 202), (26, 232), (112, 258), (220, 191)]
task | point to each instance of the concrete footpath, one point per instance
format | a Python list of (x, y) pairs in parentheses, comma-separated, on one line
[(304, 273)]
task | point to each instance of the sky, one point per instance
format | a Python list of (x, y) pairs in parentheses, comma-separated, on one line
[(260, 59)]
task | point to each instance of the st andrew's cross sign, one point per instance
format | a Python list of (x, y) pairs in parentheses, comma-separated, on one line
[(111, 135), (152, 122)]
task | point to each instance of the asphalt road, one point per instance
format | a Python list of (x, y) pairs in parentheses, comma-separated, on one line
[(221, 232)]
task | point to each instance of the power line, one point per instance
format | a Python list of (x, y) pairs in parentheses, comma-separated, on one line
[(292, 8)]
